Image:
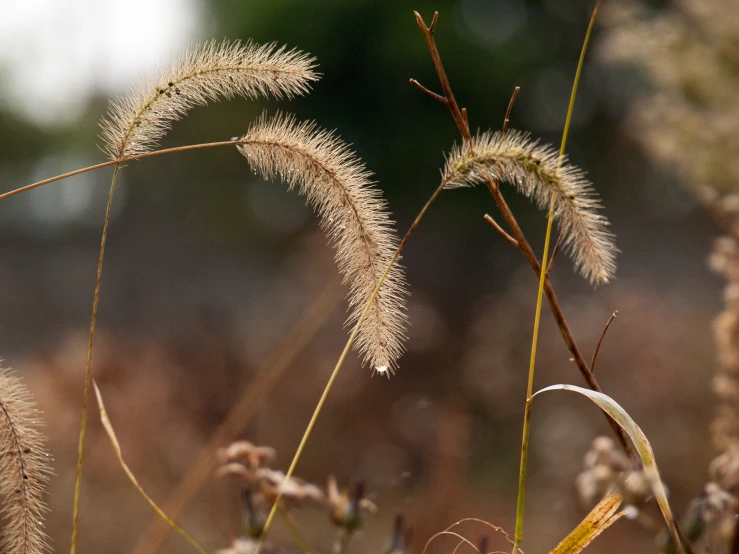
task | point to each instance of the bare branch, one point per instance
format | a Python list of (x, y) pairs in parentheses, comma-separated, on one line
[(600, 340), (498, 228), (510, 109), (432, 94)]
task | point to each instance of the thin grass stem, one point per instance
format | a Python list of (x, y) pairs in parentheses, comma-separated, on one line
[(295, 531), (600, 340), (340, 362), (518, 536), (85, 397), (117, 162)]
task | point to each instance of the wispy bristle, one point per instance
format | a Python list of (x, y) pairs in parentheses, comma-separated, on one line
[(136, 122), (535, 171), (25, 466), (354, 215)]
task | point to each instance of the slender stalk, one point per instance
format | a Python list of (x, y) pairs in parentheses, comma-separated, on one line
[(341, 545), (600, 340), (118, 162), (296, 532), (518, 537), (93, 321), (339, 364)]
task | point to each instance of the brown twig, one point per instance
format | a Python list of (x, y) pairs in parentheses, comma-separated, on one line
[(515, 229), (500, 229), (600, 340), (118, 161), (431, 93), (510, 109), (554, 255)]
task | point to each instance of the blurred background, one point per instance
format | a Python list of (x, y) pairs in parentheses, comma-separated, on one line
[(209, 271)]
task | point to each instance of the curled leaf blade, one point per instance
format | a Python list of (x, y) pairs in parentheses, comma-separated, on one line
[(117, 447), (643, 447)]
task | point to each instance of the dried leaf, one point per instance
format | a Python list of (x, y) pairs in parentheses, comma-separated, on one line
[(637, 436), (600, 518)]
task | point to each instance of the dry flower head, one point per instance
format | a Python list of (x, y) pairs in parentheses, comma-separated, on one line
[(135, 123), (347, 506), (246, 453), (606, 468), (268, 483)]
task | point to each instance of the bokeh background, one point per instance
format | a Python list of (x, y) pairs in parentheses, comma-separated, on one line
[(209, 270)]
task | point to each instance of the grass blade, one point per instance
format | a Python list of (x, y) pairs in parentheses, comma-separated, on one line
[(637, 436), (117, 447)]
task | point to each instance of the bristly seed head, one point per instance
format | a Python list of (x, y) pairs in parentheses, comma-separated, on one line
[(353, 214), (24, 469), (535, 170), (135, 123)]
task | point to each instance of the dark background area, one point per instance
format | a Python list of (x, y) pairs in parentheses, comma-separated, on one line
[(208, 269)]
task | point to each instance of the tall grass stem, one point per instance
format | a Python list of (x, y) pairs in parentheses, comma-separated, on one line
[(518, 537), (86, 393)]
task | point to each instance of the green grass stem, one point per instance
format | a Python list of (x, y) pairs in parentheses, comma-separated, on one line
[(518, 537)]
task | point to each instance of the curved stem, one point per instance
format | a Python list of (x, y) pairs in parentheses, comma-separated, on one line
[(93, 321), (342, 357), (117, 163)]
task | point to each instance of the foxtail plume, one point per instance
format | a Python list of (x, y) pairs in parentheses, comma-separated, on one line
[(25, 467), (135, 123), (352, 212), (536, 171)]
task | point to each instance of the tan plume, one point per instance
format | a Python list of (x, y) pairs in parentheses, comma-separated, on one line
[(337, 185), (135, 122), (25, 466), (536, 172)]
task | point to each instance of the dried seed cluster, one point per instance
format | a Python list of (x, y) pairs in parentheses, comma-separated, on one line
[(537, 172), (25, 467), (135, 123)]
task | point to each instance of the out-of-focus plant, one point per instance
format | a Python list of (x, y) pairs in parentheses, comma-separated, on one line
[(351, 210), (687, 117)]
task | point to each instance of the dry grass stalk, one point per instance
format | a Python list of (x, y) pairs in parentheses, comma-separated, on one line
[(25, 467), (354, 215), (535, 171), (105, 420), (136, 122)]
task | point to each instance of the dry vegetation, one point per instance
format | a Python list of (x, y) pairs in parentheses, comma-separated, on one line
[(620, 475)]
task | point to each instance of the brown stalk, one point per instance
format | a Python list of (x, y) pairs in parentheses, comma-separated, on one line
[(515, 229), (116, 162), (551, 262), (500, 229), (507, 119), (600, 340)]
